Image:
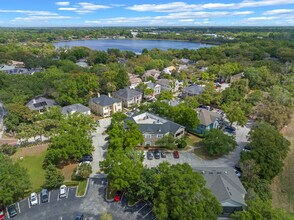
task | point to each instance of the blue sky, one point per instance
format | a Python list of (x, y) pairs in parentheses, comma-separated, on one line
[(48, 13)]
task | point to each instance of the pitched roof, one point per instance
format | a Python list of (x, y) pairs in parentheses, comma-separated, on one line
[(104, 100), (162, 127), (207, 117), (194, 89), (224, 184), (166, 82), (76, 108), (127, 93), (40, 102)]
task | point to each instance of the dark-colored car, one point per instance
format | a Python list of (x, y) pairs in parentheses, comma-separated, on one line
[(12, 211), (86, 157), (247, 148), (230, 130), (176, 154), (2, 213), (118, 196), (163, 154), (156, 154), (44, 195), (106, 138), (79, 216), (149, 155)]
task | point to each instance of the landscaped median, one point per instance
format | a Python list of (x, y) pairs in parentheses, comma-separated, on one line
[(82, 188)]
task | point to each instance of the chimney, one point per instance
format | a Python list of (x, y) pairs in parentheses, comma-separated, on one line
[(109, 95), (98, 94)]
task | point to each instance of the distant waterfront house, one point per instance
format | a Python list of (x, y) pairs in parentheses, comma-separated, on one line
[(226, 186), (129, 97), (151, 73), (154, 127), (193, 90), (70, 109), (208, 120), (40, 104), (104, 105)]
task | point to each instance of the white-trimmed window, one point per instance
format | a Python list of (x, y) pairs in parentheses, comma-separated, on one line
[(159, 136), (148, 135)]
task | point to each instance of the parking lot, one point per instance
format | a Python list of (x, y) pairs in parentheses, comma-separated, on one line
[(92, 206)]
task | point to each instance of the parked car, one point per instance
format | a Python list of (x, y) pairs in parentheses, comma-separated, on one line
[(62, 191), (176, 154), (2, 213), (163, 154), (156, 154), (34, 199), (79, 216), (86, 157), (149, 155), (247, 148), (118, 196), (44, 195), (238, 173), (106, 138), (230, 130), (12, 211)]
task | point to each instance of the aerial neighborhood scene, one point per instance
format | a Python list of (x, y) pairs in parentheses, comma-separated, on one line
[(147, 110)]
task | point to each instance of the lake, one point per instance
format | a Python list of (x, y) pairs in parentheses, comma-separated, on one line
[(132, 45)]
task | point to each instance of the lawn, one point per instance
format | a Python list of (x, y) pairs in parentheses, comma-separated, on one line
[(282, 186), (201, 152), (82, 187), (193, 140), (32, 160)]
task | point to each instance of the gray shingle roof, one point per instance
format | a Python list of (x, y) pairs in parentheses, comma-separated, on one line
[(127, 93), (39, 103), (193, 89), (167, 127), (104, 100), (224, 184), (76, 108), (207, 117)]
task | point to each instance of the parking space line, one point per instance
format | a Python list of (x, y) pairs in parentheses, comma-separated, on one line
[(142, 207), (49, 196), (67, 192), (7, 213), (147, 213), (39, 198), (18, 207), (57, 196), (29, 203)]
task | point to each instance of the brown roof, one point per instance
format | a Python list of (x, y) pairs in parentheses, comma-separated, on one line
[(207, 117)]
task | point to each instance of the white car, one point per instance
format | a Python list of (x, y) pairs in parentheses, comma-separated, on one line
[(34, 199), (62, 191)]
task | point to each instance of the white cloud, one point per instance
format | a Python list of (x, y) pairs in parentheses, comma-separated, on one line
[(186, 20), (183, 6), (40, 18), (28, 12), (261, 18), (62, 3), (278, 11), (84, 7)]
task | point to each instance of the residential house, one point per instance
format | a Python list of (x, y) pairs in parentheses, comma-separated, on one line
[(183, 67), (154, 127), (226, 186), (185, 61), (208, 120), (151, 73), (4, 67), (104, 105), (169, 70), (236, 77), (40, 104), (135, 80), (173, 103), (19, 64), (193, 90), (170, 85), (70, 109), (23, 71), (155, 87), (82, 64), (129, 97)]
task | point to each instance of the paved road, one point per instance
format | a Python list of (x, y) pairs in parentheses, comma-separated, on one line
[(188, 157), (99, 143), (92, 206)]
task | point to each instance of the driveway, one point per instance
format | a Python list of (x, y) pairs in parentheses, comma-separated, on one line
[(99, 143), (194, 161)]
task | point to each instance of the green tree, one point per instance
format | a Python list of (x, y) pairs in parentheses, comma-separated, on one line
[(14, 181), (167, 141), (165, 95), (269, 148), (106, 216), (234, 113), (84, 170), (181, 194), (53, 177), (217, 143)]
